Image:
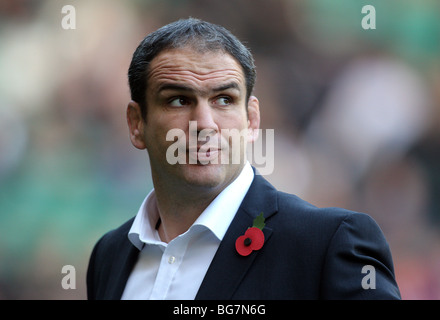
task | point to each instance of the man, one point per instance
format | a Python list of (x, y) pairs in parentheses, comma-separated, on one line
[(212, 228)]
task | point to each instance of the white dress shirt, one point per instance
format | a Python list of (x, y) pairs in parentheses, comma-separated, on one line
[(175, 271)]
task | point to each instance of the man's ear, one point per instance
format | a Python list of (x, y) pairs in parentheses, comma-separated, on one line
[(136, 125), (253, 118)]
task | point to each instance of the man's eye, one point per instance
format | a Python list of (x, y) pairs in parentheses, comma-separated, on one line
[(223, 101), (178, 102)]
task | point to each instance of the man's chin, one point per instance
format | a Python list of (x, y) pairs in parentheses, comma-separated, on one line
[(209, 175)]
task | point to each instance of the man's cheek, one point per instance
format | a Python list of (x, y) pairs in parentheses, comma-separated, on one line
[(235, 142)]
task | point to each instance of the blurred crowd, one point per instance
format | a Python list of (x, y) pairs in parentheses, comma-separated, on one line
[(356, 115)]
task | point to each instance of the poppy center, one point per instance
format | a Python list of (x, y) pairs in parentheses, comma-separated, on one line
[(247, 242)]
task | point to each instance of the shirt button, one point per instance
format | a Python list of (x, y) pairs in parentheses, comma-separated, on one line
[(171, 260)]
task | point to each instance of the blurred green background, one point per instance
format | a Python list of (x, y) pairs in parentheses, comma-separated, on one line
[(356, 115)]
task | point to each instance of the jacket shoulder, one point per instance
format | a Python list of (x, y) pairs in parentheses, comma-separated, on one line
[(107, 247), (336, 244), (293, 210), (115, 236)]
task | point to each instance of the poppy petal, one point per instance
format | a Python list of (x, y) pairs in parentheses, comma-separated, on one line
[(242, 249), (257, 237)]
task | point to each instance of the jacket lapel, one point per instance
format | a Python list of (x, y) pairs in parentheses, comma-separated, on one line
[(228, 268)]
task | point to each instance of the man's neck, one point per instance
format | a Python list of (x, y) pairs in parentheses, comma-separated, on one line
[(180, 204), (178, 215)]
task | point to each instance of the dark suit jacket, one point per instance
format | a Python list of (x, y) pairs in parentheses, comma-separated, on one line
[(309, 253)]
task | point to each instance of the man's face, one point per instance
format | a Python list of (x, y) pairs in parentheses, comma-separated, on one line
[(209, 88)]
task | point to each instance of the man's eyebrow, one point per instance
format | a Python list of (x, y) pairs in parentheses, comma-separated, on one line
[(181, 87), (231, 85), (172, 86)]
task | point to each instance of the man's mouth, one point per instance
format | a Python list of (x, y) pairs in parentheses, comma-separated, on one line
[(203, 154)]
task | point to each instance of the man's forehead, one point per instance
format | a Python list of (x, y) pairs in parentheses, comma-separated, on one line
[(186, 64)]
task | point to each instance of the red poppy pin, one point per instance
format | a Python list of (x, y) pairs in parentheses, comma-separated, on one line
[(253, 238)]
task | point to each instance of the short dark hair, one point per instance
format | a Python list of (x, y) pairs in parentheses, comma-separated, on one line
[(200, 35)]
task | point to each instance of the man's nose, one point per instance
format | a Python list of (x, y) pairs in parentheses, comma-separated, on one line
[(203, 113)]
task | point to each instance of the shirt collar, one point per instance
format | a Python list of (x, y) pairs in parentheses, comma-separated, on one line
[(216, 217), (143, 228)]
